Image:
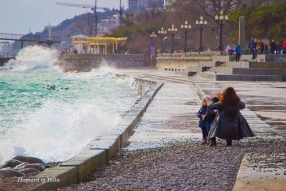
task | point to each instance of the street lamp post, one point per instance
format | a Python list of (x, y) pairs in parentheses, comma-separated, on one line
[(185, 28), (153, 35), (162, 32), (201, 25), (221, 20), (172, 30)]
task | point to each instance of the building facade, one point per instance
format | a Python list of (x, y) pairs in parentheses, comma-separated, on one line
[(168, 3), (106, 25)]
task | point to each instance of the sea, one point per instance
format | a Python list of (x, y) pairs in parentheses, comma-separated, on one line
[(52, 115)]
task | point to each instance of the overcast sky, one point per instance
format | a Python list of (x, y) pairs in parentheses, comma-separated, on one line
[(22, 16)]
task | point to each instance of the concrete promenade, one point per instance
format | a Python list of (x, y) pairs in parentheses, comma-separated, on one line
[(172, 116)]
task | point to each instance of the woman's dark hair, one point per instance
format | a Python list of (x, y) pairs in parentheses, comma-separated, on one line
[(229, 96)]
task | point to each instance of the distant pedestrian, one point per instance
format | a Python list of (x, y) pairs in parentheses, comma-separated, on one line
[(251, 45), (237, 52), (262, 47), (272, 47), (254, 54), (229, 124), (284, 47)]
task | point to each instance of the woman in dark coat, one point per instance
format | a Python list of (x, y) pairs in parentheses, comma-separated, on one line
[(229, 124)]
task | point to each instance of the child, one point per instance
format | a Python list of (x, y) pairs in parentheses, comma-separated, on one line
[(209, 117), (254, 54), (201, 114)]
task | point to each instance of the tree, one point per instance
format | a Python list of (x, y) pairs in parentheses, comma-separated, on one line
[(267, 21), (83, 27)]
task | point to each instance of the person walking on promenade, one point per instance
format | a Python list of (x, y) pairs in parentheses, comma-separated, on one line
[(237, 52), (229, 124), (284, 47), (251, 45), (201, 114), (273, 47)]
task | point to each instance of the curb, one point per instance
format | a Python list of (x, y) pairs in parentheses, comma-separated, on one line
[(74, 170), (257, 176)]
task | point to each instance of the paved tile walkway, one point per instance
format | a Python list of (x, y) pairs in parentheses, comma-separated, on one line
[(172, 113)]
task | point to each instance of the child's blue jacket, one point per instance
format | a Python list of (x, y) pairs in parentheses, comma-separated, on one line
[(201, 112)]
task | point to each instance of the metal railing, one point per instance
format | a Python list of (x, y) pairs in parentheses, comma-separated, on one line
[(191, 54), (34, 38)]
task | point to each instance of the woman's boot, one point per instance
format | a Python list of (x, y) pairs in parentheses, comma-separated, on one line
[(213, 142)]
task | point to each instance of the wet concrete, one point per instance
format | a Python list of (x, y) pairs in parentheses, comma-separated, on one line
[(172, 114)]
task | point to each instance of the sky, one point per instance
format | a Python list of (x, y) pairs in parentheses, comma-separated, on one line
[(24, 16)]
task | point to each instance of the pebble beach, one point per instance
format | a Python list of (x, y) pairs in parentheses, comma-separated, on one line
[(178, 166)]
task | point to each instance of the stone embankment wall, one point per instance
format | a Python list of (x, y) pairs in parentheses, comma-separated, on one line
[(86, 62), (179, 62)]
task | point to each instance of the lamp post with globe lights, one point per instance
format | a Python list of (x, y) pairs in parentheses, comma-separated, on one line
[(201, 25), (153, 35), (172, 30), (221, 20), (185, 27), (161, 33)]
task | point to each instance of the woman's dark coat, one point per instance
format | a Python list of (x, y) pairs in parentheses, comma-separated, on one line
[(229, 123)]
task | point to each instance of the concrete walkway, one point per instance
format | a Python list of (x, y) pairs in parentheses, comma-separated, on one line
[(172, 115)]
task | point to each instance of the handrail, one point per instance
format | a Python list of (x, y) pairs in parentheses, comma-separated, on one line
[(190, 54), (22, 37)]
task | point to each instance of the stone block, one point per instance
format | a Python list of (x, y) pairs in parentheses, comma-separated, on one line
[(85, 162), (121, 135), (110, 146), (57, 177)]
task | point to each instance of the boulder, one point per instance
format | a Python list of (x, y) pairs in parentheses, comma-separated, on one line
[(28, 159), (37, 166), (11, 163), (29, 170), (8, 172)]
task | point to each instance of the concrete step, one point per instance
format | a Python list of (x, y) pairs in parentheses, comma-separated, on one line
[(267, 64), (240, 77), (197, 68), (208, 75), (248, 57), (185, 73), (250, 71), (265, 57), (207, 64)]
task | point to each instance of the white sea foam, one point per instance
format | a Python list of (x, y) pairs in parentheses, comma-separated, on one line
[(58, 131), (33, 57), (56, 125)]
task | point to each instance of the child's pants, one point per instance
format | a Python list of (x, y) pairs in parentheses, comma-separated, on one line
[(204, 132)]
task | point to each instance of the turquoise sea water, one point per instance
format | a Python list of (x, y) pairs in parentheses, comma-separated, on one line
[(55, 125)]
